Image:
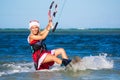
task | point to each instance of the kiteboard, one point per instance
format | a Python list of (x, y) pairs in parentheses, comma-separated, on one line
[(74, 61)]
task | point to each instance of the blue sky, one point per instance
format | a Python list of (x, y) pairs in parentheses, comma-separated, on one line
[(76, 13)]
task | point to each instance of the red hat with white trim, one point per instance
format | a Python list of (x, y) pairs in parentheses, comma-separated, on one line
[(34, 23)]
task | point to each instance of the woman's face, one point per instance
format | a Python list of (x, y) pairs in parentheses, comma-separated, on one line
[(34, 29)]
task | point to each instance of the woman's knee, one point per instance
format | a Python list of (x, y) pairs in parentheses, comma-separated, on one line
[(50, 58), (60, 50)]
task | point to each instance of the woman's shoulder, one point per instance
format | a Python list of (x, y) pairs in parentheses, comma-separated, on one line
[(29, 38)]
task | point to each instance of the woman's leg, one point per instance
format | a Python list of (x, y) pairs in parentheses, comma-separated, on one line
[(50, 58), (61, 51)]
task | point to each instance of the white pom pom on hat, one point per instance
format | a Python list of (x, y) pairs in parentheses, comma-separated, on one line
[(34, 23)]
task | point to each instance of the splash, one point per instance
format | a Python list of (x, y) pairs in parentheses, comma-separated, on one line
[(88, 62), (94, 63)]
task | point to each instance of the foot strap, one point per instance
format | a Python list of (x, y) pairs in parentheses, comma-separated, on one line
[(65, 62)]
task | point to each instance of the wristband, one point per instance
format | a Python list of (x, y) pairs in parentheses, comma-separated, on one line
[(50, 20)]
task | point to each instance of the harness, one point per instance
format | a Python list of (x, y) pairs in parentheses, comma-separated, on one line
[(40, 45)]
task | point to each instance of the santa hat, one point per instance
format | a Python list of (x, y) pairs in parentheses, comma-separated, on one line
[(34, 23)]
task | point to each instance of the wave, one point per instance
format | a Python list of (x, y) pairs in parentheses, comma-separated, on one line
[(88, 62), (94, 63), (12, 68)]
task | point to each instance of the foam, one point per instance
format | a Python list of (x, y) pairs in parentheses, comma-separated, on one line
[(94, 63), (88, 62), (12, 68)]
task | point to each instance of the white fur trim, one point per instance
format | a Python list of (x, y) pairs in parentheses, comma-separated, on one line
[(41, 59), (28, 39), (52, 52), (33, 23)]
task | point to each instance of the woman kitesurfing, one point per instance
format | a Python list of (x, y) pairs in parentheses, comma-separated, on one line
[(42, 57)]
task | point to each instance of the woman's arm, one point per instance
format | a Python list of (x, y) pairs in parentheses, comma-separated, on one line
[(49, 23), (47, 28), (43, 35)]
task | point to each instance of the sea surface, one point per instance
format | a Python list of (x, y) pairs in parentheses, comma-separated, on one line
[(98, 48)]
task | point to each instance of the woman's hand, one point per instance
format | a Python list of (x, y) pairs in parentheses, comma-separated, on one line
[(50, 23), (50, 18)]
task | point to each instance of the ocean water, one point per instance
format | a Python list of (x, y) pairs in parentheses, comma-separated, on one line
[(98, 48)]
